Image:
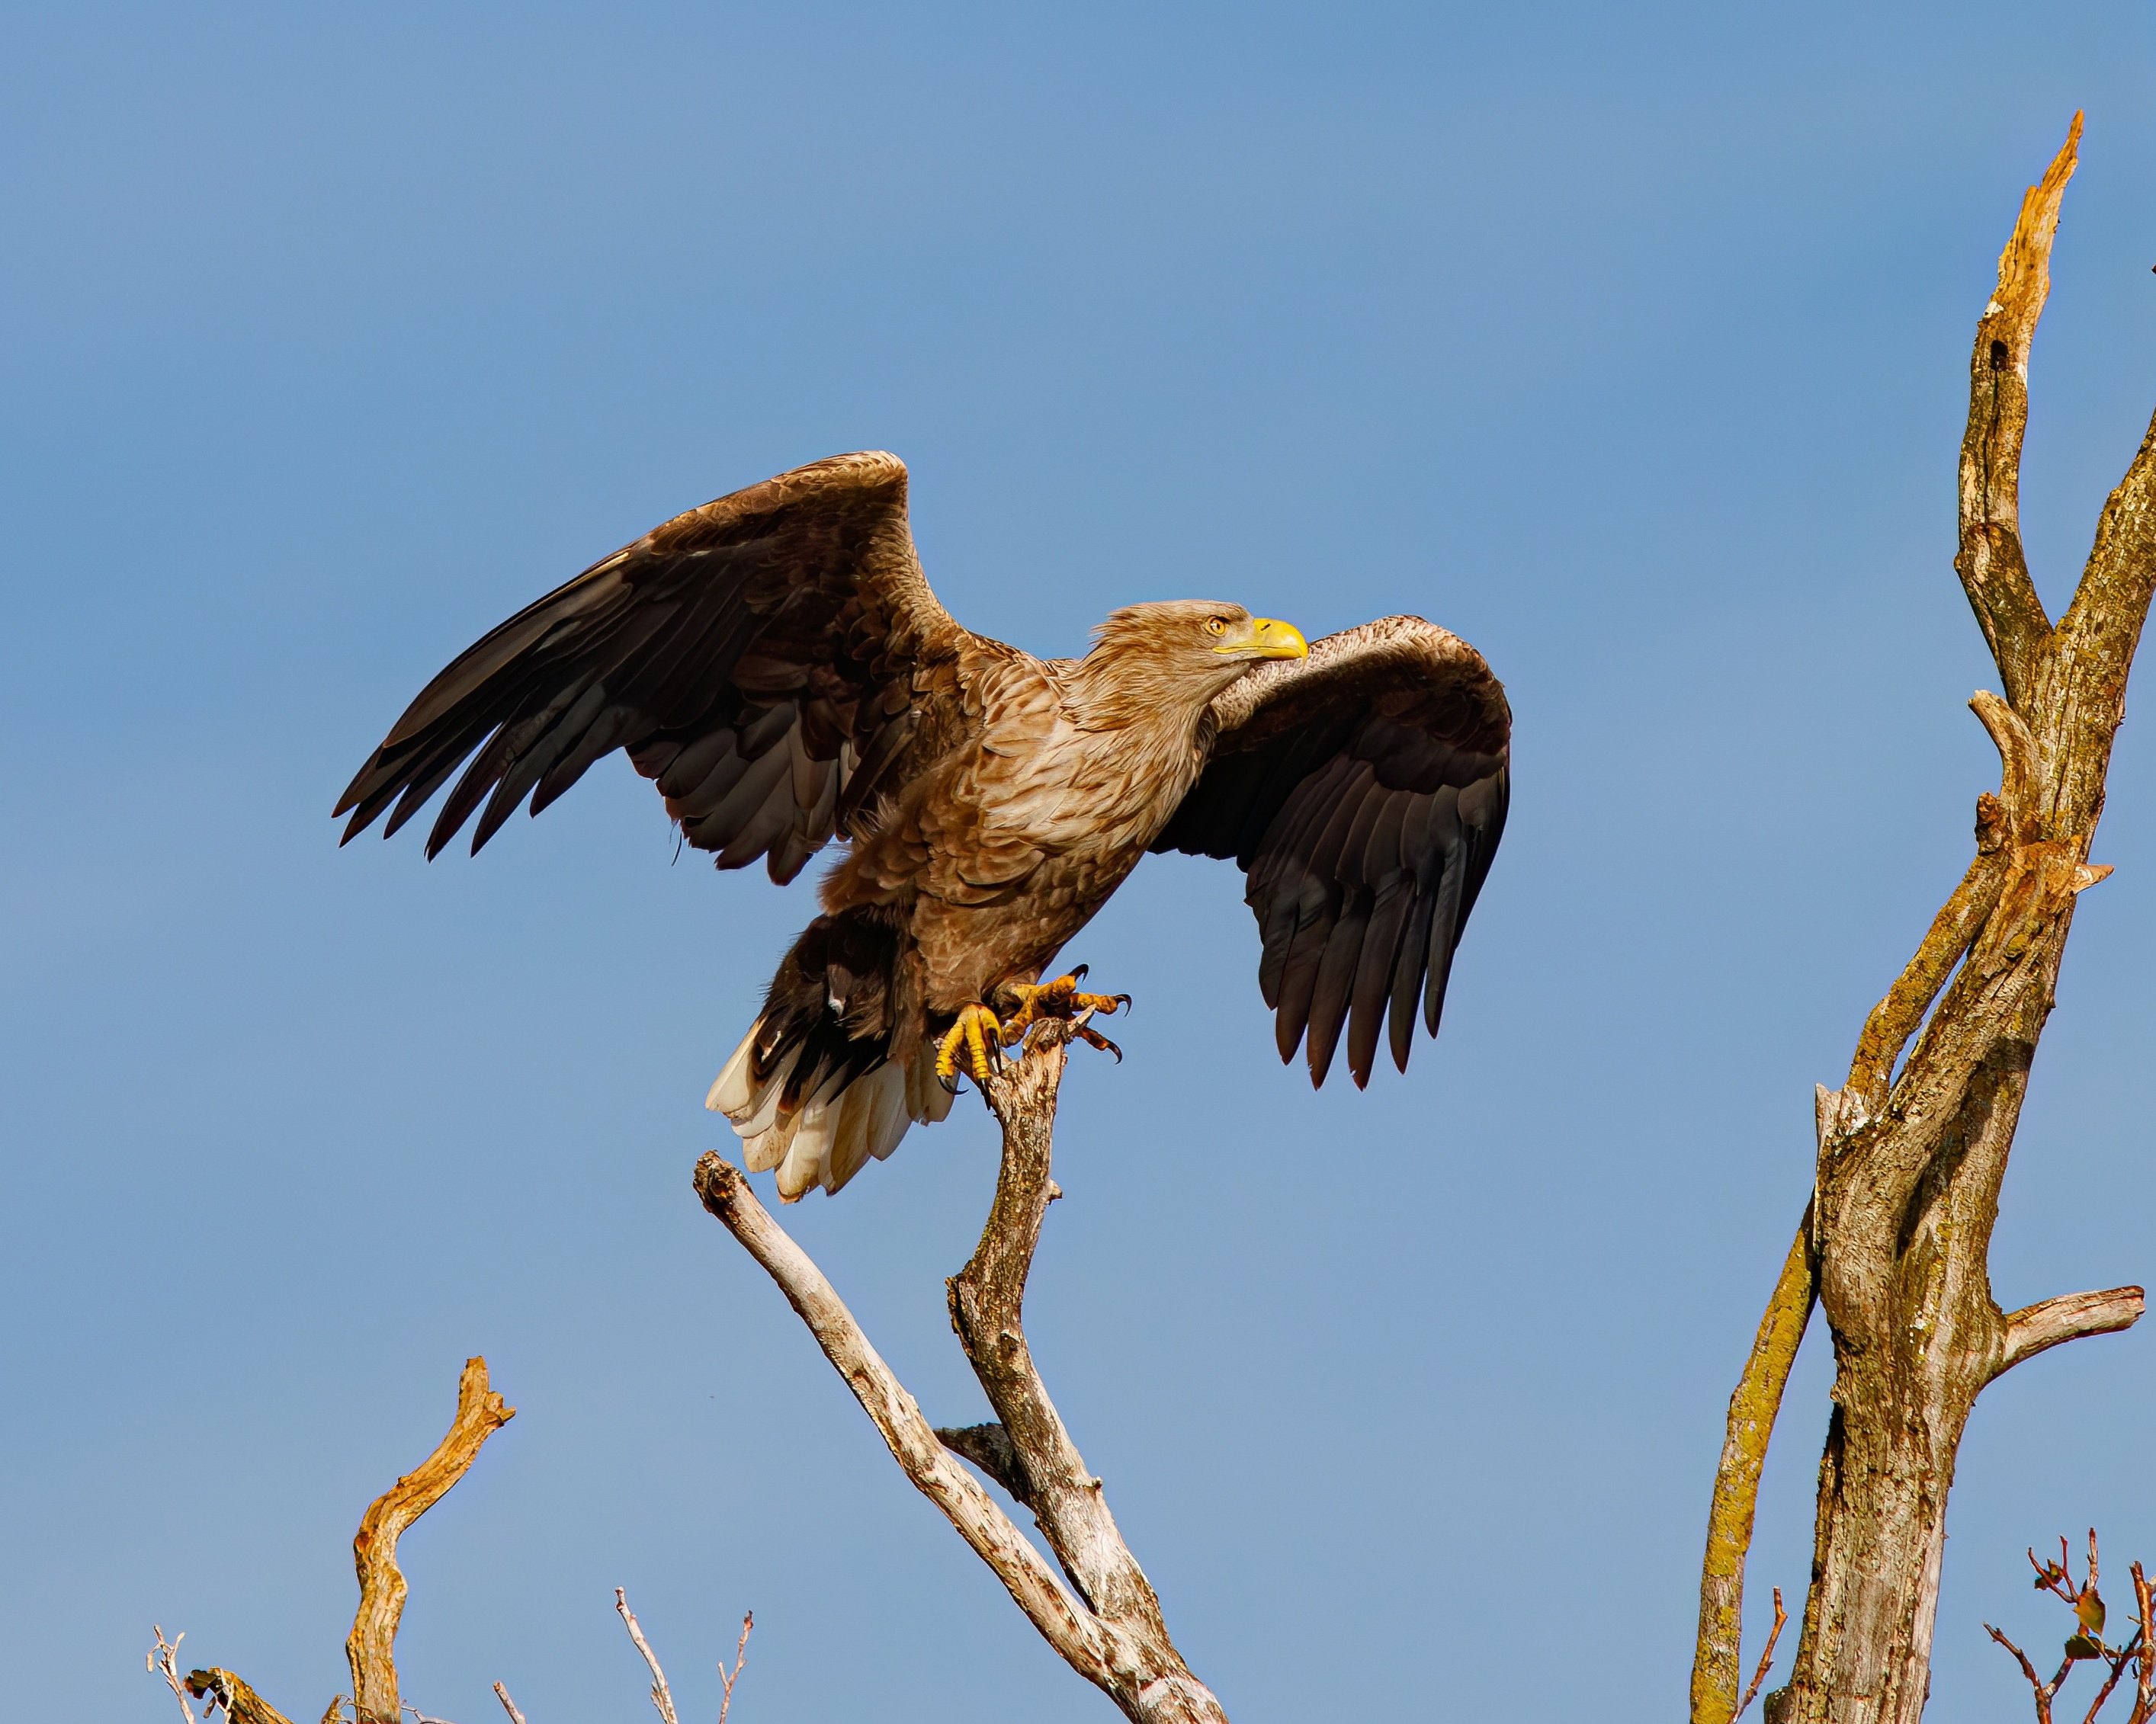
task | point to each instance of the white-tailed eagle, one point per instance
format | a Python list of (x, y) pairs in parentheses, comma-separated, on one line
[(776, 661)]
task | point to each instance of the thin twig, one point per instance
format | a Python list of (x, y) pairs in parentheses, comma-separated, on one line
[(166, 1658), (508, 1705), (2035, 1682), (662, 1697), (740, 1658), (1766, 1656), (2118, 1661)]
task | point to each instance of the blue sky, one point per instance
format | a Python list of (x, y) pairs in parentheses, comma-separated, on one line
[(1628, 342)]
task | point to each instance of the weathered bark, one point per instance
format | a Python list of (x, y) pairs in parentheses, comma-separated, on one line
[(1111, 1632), (240, 1704), (1910, 1165), (372, 1646)]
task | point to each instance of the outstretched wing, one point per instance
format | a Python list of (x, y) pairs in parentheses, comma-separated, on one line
[(756, 656), (1362, 791)]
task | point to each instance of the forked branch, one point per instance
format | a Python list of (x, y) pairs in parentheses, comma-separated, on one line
[(1111, 1632)]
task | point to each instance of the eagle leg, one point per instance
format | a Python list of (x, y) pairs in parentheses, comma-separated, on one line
[(979, 1036), (1059, 998)]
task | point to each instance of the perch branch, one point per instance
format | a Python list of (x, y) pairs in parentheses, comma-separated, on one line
[(988, 1299), (508, 1705), (1752, 1409), (1113, 1633), (662, 1697), (2035, 1328), (934, 1471), (371, 1649)]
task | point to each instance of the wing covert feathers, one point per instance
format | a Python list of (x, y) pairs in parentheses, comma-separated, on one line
[(757, 657), (1362, 791)]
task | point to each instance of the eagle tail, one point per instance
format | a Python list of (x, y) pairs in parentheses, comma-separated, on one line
[(815, 1089)]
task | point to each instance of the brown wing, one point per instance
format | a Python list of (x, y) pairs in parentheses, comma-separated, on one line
[(1362, 791), (756, 656)]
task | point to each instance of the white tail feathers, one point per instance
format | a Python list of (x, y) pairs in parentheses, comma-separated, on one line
[(830, 1135)]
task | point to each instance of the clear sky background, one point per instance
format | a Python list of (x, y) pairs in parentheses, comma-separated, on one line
[(1629, 343)]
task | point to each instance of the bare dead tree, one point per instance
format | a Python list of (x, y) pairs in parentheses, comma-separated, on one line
[(1106, 1624), (1895, 1243)]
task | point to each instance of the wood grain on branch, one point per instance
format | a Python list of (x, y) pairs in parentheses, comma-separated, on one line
[(2034, 1328), (371, 1648)]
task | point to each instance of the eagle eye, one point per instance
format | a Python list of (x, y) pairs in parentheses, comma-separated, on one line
[(1216, 625)]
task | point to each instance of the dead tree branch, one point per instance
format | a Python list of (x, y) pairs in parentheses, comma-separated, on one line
[(371, 1648), (1909, 1163), (372, 1645), (1753, 1407), (239, 1703), (730, 1677), (1766, 1656), (1111, 1632), (164, 1659), (662, 1697)]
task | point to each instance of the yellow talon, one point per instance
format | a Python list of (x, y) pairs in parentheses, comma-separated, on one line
[(1059, 998), (977, 1031)]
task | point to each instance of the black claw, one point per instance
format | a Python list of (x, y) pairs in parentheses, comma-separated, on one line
[(1093, 1038)]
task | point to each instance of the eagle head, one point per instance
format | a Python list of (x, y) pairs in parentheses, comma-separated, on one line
[(1167, 660)]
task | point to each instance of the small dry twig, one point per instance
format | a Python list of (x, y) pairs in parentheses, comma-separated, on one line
[(740, 1658), (1766, 1656), (166, 1658), (508, 1705), (662, 1697)]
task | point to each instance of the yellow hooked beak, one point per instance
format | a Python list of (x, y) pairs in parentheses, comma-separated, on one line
[(1265, 638)]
